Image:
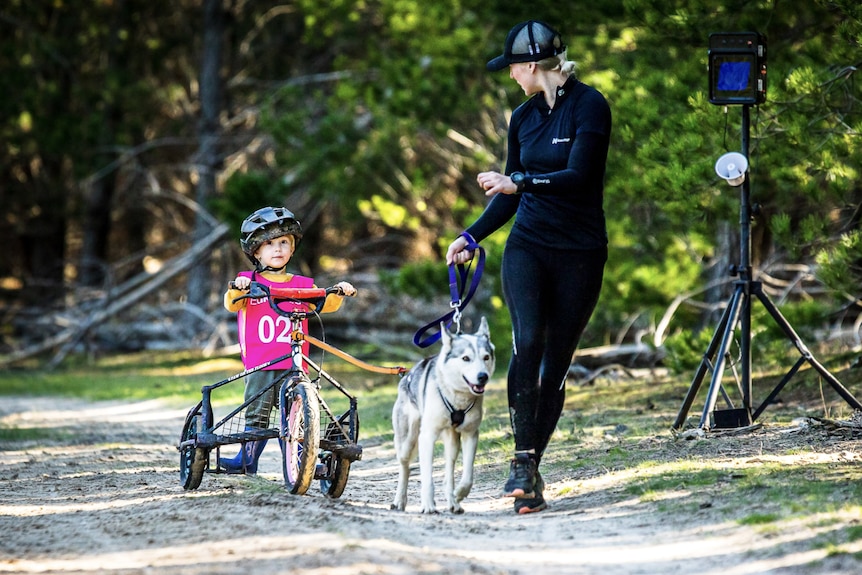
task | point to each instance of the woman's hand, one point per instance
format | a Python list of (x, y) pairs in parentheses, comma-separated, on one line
[(458, 252), (496, 183)]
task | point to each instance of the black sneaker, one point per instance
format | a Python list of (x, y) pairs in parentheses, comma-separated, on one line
[(522, 477), (532, 504)]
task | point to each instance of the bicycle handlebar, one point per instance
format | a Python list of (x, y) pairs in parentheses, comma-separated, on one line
[(313, 296), (301, 294), (316, 296)]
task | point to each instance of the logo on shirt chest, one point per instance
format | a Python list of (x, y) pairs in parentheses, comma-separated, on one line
[(561, 140)]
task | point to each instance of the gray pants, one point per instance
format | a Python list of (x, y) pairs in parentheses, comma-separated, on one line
[(258, 413)]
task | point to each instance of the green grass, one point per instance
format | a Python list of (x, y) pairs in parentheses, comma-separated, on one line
[(15, 434), (794, 490), (759, 519), (175, 377)]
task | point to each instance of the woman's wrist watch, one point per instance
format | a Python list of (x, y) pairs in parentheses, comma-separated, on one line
[(519, 180)]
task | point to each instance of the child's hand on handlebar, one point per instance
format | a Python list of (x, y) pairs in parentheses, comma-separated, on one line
[(241, 283), (345, 288)]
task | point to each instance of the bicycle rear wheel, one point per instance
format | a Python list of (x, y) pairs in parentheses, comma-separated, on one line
[(300, 430), (193, 460)]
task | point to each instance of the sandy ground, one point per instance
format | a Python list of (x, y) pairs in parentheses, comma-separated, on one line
[(106, 497)]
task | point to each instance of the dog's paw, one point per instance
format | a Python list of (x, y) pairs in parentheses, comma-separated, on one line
[(457, 509), (396, 507), (462, 491), (430, 510)]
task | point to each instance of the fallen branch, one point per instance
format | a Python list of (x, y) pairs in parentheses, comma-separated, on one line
[(839, 426), (585, 376), (629, 355), (69, 337)]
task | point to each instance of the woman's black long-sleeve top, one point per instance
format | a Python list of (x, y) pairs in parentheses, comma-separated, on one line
[(563, 152)]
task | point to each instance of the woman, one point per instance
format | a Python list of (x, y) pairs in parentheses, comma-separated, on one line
[(555, 254)]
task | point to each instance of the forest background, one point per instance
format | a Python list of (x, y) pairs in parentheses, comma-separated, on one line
[(136, 134)]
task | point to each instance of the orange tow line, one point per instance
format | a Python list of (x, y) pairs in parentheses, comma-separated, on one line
[(299, 336)]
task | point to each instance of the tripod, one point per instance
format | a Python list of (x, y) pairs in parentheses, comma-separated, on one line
[(738, 313)]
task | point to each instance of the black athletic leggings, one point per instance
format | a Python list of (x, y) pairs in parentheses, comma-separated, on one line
[(551, 295)]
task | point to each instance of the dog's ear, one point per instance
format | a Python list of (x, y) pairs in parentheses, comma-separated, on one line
[(483, 328), (445, 336)]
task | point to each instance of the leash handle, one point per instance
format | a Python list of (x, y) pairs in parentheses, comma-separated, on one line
[(458, 275)]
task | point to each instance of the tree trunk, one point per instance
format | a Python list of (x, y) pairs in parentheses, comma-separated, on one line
[(207, 160), (98, 198), (96, 227)]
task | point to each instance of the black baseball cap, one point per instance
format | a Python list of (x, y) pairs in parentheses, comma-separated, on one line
[(529, 41)]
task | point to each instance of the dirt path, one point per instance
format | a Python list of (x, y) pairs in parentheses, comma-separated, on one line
[(104, 496)]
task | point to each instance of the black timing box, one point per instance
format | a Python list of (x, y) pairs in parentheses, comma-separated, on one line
[(737, 68)]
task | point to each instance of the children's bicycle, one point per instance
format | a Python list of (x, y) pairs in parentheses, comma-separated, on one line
[(316, 442)]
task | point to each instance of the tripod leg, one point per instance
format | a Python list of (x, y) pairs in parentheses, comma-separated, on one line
[(805, 353), (720, 341), (738, 299), (774, 393), (705, 365)]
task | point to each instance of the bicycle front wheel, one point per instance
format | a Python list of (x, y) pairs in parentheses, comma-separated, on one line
[(300, 430)]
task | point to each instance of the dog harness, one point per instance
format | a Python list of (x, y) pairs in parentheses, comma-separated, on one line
[(456, 415)]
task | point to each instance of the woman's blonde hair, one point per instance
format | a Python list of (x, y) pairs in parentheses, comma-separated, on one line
[(559, 62)]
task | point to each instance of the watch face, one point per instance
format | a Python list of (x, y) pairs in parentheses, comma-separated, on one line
[(518, 180)]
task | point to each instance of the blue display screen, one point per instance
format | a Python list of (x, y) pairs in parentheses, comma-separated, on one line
[(733, 76), (734, 79)]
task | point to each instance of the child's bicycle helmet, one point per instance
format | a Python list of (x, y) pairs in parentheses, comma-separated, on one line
[(266, 224)]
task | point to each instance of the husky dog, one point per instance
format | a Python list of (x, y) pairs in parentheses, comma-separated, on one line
[(442, 395)]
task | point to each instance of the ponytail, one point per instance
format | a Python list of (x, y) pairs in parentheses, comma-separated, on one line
[(559, 62)]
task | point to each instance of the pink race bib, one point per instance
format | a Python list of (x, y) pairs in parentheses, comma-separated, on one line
[(263, 334)]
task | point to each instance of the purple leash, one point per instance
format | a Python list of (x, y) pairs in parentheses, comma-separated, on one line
[(457, 285)]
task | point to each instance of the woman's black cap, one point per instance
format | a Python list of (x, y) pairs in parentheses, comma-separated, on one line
[(529, 41)]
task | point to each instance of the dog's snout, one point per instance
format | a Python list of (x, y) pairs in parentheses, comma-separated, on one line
[(482, 378)]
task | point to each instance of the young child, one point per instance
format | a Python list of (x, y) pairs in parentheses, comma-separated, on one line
[(268, 237)]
